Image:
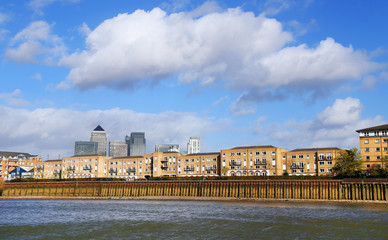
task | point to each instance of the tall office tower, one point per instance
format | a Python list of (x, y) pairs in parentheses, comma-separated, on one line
[(193, 145), (99, 136), (85, 148), (136, 144), (118, 149), (166, 148)]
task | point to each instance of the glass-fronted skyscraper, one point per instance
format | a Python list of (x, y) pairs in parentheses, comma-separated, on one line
[(167, 148), (193, 146), (118, 149), (85, 148), (136, 144)]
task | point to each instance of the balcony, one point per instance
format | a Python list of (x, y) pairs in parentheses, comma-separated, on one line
[(260, 163), (71, 168), (112, 170), (235, 163), (164, 166), (129, 170), (164, 160), (188, 169), (87, 167), (295, 166), (211, 169)]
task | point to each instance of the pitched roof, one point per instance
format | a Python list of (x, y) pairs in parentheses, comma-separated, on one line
[(199, 154), (380, 127), (15, 154), (99, 128), (250, 147), (314, 149)]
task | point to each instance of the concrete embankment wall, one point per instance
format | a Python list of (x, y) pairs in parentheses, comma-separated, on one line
[(270, 189)]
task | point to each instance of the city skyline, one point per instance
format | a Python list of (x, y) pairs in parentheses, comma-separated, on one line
[(235, 73)]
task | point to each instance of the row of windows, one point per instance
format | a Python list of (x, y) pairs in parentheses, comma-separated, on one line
[(377, 149), (250, 154), (377, 157), (385, 140)]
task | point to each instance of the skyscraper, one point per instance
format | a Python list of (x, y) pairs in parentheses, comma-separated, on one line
[(99, 136), (85, 148), (136, 144), (117, 149), (193, 145), (167, 148)]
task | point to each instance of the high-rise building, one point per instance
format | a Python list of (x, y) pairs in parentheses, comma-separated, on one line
[(99, 136), (118, 149), (166, 148), (193, 146), (136, 144), (85, 148)]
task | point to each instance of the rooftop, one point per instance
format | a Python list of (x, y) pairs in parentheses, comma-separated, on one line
[(99, 129), (376, 128), (199, 154), (15, 154), (251, 147), (314, 149)]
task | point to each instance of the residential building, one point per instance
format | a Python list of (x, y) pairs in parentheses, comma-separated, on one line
[(98, 135), (167, 148), (21, 172), (85, 148), (85, 166), (49, 169), (199, 165), (373, 145), (118, 149), (310, 161), (136, 144), (252, 160), (128, 167), (12, 160), (163, 163), (193, 146)]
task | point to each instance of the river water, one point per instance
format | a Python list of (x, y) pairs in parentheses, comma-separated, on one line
[(137, 219)]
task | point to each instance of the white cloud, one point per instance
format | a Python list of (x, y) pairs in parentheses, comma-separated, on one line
[(37, 76), (333, 127), (53, 131), (36, 44), (220, 100), (153, 45), (84, 29), (13, 99), (38, 5), (3, 17), (232, 48)]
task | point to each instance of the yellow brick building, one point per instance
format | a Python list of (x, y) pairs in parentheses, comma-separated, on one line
[(199, 165), (311, 161), (49, 169), (252, 160), (373, 145)]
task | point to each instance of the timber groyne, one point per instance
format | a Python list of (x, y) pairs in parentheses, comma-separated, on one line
[(332, 190)]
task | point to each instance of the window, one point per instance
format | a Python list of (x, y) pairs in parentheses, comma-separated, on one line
[(329, 170), (329, 162), (232, 154), (385, 149), (273, 152), (366, 141), (367, 157), (264, 153), (293, 156), (300, 156), (378, 149), (238, 154), (322, 170), (378, 157), (308, 156), (385, 140), (376, 140), (366, 149), (321, 163), (257, 153), (223, 154)]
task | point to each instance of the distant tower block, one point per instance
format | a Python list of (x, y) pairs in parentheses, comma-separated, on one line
[(118, 149), (193, 146), (99, 136), (136, 144)]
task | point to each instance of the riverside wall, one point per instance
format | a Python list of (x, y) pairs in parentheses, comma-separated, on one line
[(332, 190)]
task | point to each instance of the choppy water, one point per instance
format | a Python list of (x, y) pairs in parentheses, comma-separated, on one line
[(136, 219)]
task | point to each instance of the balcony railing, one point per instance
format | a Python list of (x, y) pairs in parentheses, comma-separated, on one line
[(129, 170), (235, 163), (113, 170), (164, 160), (188, 169), (164, 166), (295, 166)]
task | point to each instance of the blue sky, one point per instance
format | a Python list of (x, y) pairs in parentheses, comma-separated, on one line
[(287, 73)]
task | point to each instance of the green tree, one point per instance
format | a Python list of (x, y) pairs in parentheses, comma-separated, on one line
[(377, 170), (348, 164)]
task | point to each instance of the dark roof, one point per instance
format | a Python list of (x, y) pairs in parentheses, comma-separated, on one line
[(15, 154), (198, 154), (265, 146), (314, 149), (380, 127), (127, 157), (53, 160), (99, 128)]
